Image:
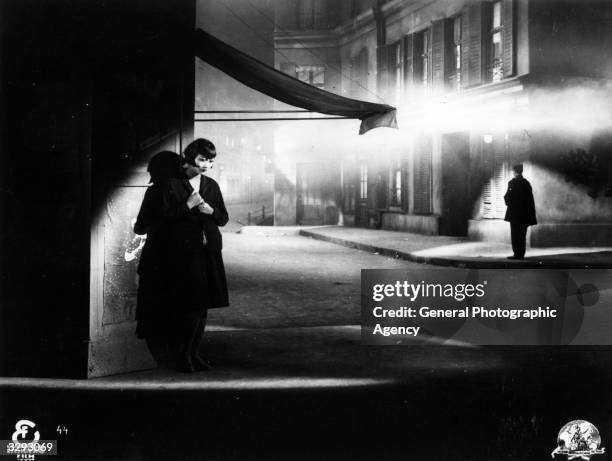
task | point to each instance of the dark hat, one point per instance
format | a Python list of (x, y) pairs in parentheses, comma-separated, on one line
[(163, 166)]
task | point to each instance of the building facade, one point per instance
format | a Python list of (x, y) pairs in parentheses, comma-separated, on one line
[(245, 148), (479, 86)]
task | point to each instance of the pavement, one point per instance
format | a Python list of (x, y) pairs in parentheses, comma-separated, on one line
[(454, 251), (292, 380), (316, 393), (285, 280)]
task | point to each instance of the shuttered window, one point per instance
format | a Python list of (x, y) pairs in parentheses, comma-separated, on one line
[(408, 61), (442, 61), (417, 60), (398, 72), (446, 53), (500, 40), (426, 66), (423, 179), (454, 74), (487, 42), (471, 40), (496, 71), (496, 168), (508, 30)]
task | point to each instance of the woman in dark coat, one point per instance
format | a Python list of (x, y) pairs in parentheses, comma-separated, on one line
[(201, 273), (181, 270)]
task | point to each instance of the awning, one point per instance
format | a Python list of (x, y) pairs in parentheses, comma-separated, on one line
[(280, 86)]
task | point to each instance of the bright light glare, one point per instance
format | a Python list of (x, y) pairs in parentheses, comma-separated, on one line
[(577, 109)]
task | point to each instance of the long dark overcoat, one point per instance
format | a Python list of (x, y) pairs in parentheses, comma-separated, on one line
[(194, 225), (157, 285), (179, 272), (520, 203)]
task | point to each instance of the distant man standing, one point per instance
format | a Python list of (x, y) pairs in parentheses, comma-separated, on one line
[(520, 212)]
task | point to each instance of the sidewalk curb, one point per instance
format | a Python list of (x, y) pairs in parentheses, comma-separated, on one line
[(273, 231), (461, 262)]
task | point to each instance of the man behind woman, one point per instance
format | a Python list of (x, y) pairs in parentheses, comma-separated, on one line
[(181, 268)]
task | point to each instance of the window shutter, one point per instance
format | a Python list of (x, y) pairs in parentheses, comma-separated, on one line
[(495, 168), (422, 179), (417, 58), (404, 167), (500, 177), (438, 52), (508, 37), (408, 60), (499, 185), (428, 52), (487, 193), (471, 39)]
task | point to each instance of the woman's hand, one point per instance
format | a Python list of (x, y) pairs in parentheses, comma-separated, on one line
[(194, 200), (205, 208)]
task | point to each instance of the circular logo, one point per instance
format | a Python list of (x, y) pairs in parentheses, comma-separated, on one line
[(578, 439), (23, 431)]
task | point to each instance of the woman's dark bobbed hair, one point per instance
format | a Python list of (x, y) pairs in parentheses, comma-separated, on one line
[(200, 146)]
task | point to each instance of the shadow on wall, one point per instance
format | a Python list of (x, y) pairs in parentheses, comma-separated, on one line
[(572, 182)]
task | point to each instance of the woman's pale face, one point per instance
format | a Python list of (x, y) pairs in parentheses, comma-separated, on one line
[(201, 165), (204, 163)]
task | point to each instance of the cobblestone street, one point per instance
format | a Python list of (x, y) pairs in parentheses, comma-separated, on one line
[(293, 281)]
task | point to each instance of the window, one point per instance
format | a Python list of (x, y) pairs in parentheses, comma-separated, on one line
[(496, 68), (496, 167), (398, 71), (313, 75), (363, 182), (396, 184), (426, 59), (455, 71), (421, 59)]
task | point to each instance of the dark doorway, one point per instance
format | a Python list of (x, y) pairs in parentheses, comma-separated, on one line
[(317, 194), (455, 184)]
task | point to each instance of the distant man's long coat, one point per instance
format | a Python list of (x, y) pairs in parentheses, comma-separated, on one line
[(520, 203)]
